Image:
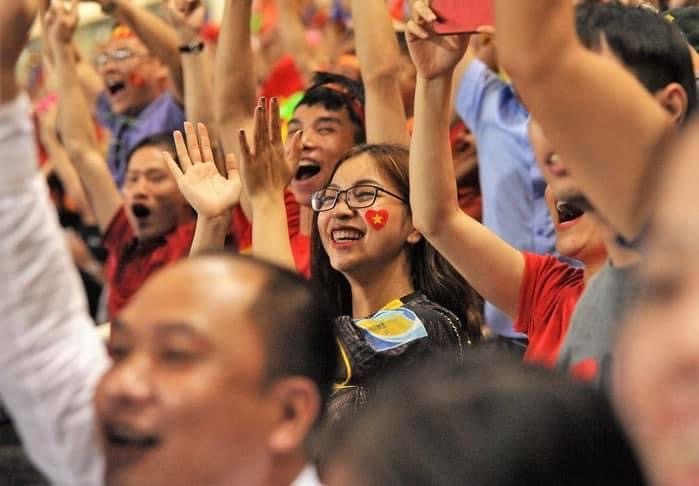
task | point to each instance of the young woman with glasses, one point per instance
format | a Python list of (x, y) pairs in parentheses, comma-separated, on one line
[(395, 300)]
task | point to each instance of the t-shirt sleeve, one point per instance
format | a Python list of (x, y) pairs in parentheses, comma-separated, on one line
[(118, 232), (478, 83), (544, 276)]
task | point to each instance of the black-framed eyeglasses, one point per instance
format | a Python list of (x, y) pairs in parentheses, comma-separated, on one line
[(356, 197), (120, 54)]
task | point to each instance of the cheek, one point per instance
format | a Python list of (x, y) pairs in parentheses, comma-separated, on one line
[(378, 218)]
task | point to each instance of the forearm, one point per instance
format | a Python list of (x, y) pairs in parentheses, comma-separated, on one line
[(210, 234), (199, 90), (433, 184), (293, 34), (51, 357), (609, 151), (90, 81), (490, 265), (65, 171), (160, 38), (379, 54), (235, 90), (270, 234)]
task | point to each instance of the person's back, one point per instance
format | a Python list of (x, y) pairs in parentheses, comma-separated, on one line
[(484, 423)]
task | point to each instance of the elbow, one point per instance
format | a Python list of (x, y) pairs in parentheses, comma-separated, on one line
[(429, 225)]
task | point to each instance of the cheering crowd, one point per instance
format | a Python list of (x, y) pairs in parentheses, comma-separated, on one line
[(318, 242)]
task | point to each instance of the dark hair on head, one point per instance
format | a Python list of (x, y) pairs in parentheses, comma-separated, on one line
[(429, 270), (163, 141), (487, 421), (293, 321), (650, 46), (352, 99)]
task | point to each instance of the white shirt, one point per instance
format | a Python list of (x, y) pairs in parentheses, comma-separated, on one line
[(50, 355), (308, 477)]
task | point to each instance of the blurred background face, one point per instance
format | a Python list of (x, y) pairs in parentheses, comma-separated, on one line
[(553, 169), (577, 233), (657, 366), (353, 244), (183, 403), (153, 202), (326, 136), (132, 78)]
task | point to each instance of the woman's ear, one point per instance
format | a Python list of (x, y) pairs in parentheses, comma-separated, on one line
[(414, 237)]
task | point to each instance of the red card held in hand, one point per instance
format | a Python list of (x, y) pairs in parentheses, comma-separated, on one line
[(462, 16)]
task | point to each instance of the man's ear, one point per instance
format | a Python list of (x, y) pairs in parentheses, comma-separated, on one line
[(298, 401), (673, 98)]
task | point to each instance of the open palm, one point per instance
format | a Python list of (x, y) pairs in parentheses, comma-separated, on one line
[(207, 191)]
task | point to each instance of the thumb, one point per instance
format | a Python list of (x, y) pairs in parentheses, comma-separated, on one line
[(293, 154)]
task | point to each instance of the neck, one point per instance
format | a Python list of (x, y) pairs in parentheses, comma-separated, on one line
[(306, 220), (591, 267), (285, 469), (377, 288)]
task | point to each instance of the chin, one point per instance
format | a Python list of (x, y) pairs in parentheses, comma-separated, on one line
[(302, 197)]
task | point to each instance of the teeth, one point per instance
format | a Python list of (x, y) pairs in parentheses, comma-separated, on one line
[(560, 205), (554, 158), (346, 235)]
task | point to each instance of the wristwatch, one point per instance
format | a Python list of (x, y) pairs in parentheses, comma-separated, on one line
[(109, 7), (192, 48)]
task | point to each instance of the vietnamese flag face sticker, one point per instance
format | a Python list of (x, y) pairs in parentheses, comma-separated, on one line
[(376, 219)]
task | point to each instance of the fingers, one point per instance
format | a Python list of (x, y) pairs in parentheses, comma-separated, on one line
[(231, 166), (182, 150), (174, 168), (261, 126), (413, 31), (422, 14), (293, 155), (192, 143), (245, 154), (275, 123), (206, 152)]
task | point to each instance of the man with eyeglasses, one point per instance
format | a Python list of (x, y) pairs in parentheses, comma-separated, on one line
[(137, 89)]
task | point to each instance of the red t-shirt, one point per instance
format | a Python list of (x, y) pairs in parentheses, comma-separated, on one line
[(131, 262), (300, 243), (550, 290)]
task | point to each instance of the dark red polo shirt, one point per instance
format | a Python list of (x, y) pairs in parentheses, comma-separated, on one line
[(131, 262)]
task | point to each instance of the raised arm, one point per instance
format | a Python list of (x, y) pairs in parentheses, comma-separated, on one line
[(210, 194), (379, 54), (293, 34), (492, 267), (153, 31), (266, 172), (50, 355), (75, 122), (608, 130), (235, 79)]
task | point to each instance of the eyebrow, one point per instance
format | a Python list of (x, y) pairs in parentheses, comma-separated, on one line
[(328, 119), (360, 182)]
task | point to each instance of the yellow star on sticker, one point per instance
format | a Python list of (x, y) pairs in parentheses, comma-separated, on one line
[(377, 219)]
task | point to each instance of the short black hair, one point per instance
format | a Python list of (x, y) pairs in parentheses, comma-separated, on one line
[(297, 329), (162, 140), (487, 421), (319, 94), (653, 48)]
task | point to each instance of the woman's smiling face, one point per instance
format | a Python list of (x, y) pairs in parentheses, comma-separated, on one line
[(365, 239)]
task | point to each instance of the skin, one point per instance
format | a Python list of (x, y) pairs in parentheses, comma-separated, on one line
[(657, 365), (150, 183), (140, 66), (326, 136), (376, 266), (189, 371)]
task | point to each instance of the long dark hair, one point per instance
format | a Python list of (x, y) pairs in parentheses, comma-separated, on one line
[(430, 272)]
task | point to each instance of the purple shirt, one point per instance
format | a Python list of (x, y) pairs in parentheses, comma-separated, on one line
[(163, 115)]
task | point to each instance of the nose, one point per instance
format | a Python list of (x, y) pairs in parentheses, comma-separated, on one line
[(342, 209), (128, 384), (308, 140)]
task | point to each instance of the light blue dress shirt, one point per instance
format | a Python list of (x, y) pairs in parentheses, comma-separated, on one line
[(511, 184)]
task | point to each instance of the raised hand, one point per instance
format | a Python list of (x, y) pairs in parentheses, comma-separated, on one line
[(187, 16), (61, 21), (210, 194), (434, 55), (267, 170)]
